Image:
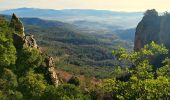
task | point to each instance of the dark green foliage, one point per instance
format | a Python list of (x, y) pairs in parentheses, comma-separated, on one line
[(22, 73), (7, 49), (20, 62), (63, 92), (16, 24), (9, 79), (165, 70), (8, 86), (7, 52), (120, 73), (75, 49), (88, 71), (28, 58), (21, 76), (74, 80), (32, 85), (11, 95), (141, 83)]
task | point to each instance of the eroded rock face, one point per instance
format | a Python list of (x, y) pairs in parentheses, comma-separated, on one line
[(153, 28), (21, 40), (147, 30), (52, 71), (165, 30), (29, 41)]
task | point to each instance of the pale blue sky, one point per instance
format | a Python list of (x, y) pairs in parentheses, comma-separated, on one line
[(115, 5)]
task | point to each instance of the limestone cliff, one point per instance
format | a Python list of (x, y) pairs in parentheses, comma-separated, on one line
[(165, 30), (153, 28), (147, 30), (21, 40)]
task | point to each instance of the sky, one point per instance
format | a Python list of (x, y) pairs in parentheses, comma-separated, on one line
[(114, 5)]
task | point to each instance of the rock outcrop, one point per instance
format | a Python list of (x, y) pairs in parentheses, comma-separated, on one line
[(30, 42), (21, 40), (165, 30), (17, 25), (153, 28), (147, 30), (52, 71)]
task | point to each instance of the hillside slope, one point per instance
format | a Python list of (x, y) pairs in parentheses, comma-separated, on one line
[(74, 50)]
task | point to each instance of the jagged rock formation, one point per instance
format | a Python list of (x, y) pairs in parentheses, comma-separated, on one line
[(17, 25), (153, 28), (21, 40), (52, 71), (29, 41), (147, 30)]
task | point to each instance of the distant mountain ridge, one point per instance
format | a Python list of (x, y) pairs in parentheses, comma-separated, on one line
[(111, 18), (69, 12)]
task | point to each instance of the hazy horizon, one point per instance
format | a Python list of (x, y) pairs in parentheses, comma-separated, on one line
[(111, 5), (73, 9)]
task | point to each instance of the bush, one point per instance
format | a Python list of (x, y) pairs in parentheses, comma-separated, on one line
[(74, 80)]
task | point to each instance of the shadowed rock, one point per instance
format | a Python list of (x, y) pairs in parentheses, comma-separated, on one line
[(147, 30), (153, 28), (17, 25)]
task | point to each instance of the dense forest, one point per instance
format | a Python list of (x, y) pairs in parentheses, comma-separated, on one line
[(73, 50), (29, 73), (76, 51)]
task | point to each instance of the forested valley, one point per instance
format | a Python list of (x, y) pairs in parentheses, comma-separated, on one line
[(52, 60)]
